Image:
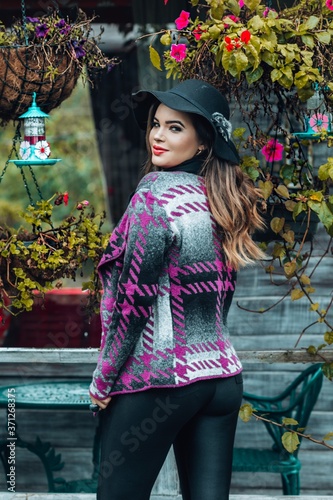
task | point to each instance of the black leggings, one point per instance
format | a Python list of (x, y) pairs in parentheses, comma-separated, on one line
[(138, 429)]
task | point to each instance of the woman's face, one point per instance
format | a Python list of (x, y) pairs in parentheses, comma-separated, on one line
[(173, 138)]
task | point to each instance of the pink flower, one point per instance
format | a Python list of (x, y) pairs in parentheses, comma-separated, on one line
[(183, 20), (273, 150), (241, 3), (329, 4), (318, 122), (267, 11), (178, 51), (65, 197), (232, 17)]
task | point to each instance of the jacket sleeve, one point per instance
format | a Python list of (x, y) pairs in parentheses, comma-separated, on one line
[(130, 273)]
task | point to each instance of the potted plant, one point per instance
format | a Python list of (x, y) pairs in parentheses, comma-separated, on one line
[(37, 255), (46, 55), (274, 67)]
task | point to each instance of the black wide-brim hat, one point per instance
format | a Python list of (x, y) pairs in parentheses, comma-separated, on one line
[(197, 97)]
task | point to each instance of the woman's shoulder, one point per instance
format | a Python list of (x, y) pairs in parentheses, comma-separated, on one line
[(161, 181)]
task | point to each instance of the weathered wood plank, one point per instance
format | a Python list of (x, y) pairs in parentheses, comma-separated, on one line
[(64, 356), (88, 496)]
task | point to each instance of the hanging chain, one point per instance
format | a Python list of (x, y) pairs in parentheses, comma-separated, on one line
[(13, 153), (24, 20), (16, 138), (35, 182), (27, 187)]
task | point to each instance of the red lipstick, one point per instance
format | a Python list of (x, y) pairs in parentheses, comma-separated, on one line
[(157, 150)]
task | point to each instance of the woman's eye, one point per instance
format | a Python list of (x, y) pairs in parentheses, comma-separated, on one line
[(155, 124), (175, 128)]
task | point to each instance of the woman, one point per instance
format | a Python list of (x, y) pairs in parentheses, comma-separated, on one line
[(167, 373)]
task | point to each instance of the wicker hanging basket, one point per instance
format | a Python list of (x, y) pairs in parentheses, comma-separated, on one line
[(47, 70)]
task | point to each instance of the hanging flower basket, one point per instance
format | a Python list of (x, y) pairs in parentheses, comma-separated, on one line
[(46, 55), (24, 70), (35, 258)]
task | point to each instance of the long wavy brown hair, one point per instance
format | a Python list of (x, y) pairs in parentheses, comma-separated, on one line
[(232, 197)]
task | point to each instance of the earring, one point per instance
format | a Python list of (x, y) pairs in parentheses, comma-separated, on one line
[(200, 150)]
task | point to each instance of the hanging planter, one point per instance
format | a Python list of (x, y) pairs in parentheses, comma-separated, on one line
[(46, 56), (282, 226), (25, 70), (40, 253)]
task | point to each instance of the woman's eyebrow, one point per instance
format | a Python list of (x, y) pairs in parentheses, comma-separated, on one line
[(168, 122)]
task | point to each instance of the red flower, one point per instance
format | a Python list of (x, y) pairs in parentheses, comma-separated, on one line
[(178, 51), (197, 32), (229, 47), (245, 36), (66, 197), (183, 20), (237, 43)]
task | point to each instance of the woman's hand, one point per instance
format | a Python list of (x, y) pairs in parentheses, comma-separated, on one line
[(101, 403)]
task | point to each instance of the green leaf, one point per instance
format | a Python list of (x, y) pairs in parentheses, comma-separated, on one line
[(289, 421), (246, 412), (266, 188), (214, 32), (323, 37), (312, 350), (326, 171), (254, 76), (256, 23), (328, 370), (296, 294), (324, 213), (328, 337), (276, 74), (155, 58), (289, 269), (287, 78), (290, 441), (310, 23), (252, 4), (308, 40), (277, 224), (299, 208), (290, 205), (238, 63), (328, 436), (166, 38), (282, 191)]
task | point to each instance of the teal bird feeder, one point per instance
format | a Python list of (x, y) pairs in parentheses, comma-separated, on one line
[(34, 149), (318, 120)]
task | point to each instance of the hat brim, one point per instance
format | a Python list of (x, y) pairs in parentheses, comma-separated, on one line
[(143, 100)]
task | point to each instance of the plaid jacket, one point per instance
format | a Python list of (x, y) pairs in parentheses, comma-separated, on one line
[(166, 292)]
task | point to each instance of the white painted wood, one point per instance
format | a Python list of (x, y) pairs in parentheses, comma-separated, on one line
[(72, 356)]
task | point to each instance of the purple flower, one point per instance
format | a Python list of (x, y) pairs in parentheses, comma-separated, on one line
[(78, 48), (42, 30), (63, 26), (32, 19), (61, 23)]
